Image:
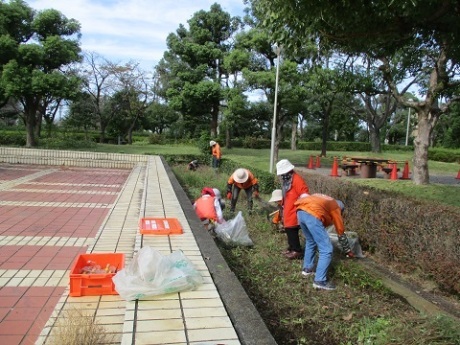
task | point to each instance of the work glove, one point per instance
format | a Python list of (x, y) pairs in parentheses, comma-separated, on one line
[(229, 195), (350, 255), (343, 240), (256, 194)]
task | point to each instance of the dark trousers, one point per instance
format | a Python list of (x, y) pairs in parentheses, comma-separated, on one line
[(235, 195), (293, 239)]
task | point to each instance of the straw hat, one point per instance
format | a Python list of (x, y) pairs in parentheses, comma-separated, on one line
[(212, 143), (277, 195), (283, 167), (240, 175)]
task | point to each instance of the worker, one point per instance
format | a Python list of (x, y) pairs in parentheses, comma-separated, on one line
[(193, 165), (315, 213), (216, 154), (293, 187), (208, 208), (242, 179), (277, 216)]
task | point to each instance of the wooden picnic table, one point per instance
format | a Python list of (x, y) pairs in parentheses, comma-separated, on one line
[(368, 166)]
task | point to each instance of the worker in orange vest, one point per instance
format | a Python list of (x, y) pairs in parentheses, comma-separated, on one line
[(216, 154), (208, 207), (242, 179), (315, 213)]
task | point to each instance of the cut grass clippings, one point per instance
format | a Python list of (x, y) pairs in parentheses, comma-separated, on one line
[(360, 311)]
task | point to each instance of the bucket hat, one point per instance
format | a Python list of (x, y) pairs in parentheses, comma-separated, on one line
[(240, 175), (341, 204), (212, 143), (283, 167), (277, 195)]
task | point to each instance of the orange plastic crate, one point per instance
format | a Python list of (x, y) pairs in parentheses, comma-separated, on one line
[(95, 284), (160, 226)]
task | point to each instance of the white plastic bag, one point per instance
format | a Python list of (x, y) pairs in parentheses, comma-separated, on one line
[(353, 240), (150, 273), (234, 231)]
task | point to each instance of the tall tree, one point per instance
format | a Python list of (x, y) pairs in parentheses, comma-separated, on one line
[(424, 33), (193, 66), (36, 47)]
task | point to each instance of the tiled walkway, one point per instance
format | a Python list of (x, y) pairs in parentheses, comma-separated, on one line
[(49, 215)]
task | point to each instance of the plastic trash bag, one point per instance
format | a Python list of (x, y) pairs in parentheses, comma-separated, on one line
[(234, 232), (150, 273), (353, 240)]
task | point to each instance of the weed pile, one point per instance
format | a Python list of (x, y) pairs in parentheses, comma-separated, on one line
[(361, 311)]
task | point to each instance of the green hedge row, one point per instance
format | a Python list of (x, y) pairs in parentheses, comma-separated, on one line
[(267, 181)]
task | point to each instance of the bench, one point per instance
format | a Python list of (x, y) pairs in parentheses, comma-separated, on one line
[(350, 168), (387, 172)]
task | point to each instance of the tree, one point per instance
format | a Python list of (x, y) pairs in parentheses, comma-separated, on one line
[(36, 47), (192, 68), (423, 34), (99, 82)]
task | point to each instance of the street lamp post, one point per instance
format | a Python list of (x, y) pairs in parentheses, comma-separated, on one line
[(408, 125), (272, 147)]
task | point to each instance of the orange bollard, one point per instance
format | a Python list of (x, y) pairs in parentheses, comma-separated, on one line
[(335, 168), (394, 172), (405, 174), (310, 163), (318, 162), (458, 175)]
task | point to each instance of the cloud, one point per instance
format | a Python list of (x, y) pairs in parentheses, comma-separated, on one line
[(131, 30)]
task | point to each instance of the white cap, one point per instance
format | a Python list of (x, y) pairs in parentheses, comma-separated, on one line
[(217, 193), (240, 175), (283, 167), (277, 195), (212, 143)]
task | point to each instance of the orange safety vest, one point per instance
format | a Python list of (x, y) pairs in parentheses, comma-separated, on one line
[(216, 151), (323, 208), (204, 208)]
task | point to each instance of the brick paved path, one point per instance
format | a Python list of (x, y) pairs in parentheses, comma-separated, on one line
[(48, 215)]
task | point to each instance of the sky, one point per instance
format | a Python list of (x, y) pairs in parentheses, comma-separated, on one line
[(131, 30)]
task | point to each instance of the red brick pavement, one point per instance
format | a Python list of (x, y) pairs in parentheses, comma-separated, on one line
[(78, 200)]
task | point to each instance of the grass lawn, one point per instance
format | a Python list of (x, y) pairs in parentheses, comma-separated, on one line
[(444, 194)]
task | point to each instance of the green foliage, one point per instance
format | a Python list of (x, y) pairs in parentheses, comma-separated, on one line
[(203, 143), (66, 143), (361, 311), (12, 138), (444, 155)]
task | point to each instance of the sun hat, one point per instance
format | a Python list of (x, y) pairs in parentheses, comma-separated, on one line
[(240, 175), (283, 167), (341, 205), (277, 195), (212, 143), (217, 193)]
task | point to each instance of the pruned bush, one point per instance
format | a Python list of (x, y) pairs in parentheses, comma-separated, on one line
[(410, 235)]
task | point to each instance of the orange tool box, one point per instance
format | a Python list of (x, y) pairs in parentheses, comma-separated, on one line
[(160, 226)]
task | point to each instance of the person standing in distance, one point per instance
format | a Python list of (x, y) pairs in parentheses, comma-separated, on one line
[(293, 187), (216, 154)]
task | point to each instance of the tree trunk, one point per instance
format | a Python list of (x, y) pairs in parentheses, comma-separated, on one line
[(421, 144), (31, 140), (228, 142), (294, 134), (214, 120), (374, 139)]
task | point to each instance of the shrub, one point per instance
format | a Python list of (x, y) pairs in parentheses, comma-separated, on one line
[(407, 234)]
